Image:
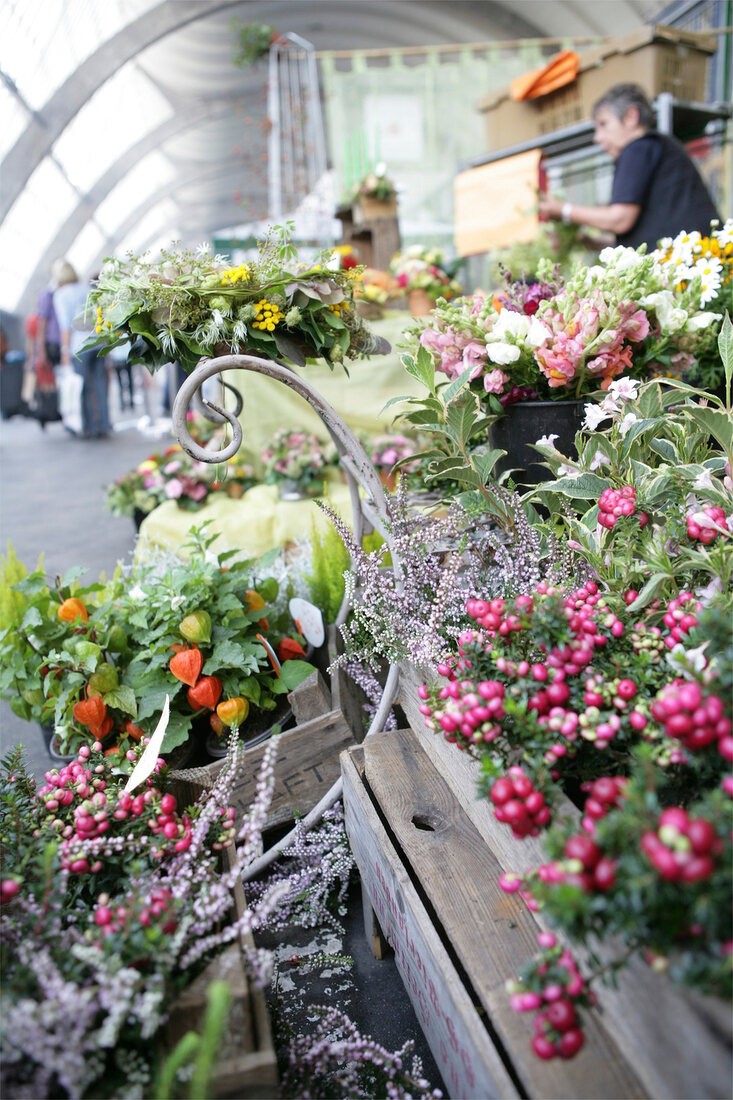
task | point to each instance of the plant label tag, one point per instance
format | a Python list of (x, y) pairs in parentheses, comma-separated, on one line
[(309, 621), (146, 764)]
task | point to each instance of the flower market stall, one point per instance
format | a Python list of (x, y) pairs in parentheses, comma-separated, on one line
[(555, 811)]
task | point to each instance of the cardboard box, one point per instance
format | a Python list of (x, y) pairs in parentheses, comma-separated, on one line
[(658, 58)]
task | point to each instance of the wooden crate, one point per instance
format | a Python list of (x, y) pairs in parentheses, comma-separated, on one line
[(306, 765), (246, 1067), (646, 1015), (432, 883)]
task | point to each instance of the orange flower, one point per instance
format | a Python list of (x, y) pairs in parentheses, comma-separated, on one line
[(73, 609)]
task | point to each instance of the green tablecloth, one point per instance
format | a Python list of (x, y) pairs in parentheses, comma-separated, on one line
[(259, 520), (358, 397)]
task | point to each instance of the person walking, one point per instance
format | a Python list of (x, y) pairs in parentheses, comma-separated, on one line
[(657, 191), (76, 323)]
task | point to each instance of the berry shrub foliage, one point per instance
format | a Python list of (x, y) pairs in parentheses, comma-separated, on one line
[(580, 698)]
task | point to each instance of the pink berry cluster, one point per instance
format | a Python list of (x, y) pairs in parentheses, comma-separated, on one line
[(693, 718), (698, 529), (683, 848), (468, 713), (584, 865), (615, 503), (519, 804), (553, 989), (157, 909), (680, 617), (603, 795)]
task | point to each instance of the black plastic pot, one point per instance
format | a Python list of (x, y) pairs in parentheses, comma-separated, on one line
[(522, 424)]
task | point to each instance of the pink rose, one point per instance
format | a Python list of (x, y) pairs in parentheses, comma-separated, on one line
[(495, 381), (174, 489)]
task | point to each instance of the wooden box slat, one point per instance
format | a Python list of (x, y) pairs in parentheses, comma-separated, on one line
[(646, 1014), (468, 1062), (492, 933)]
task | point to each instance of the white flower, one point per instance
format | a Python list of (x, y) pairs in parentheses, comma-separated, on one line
[(217, 317), (625, 425), (624, 389), (176, 602), (704, 481), (689, 662), (594, 414), (136, 593), (564, 470), (202, 249), (538, 334), (710, 591), (621, 258), (547, 441), (509, 323), (670, 316), (502, 353), (703, 520), (709, 268), (702, 320), (600, 458)]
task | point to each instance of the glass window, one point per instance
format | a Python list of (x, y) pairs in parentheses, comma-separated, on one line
[(123, 110), (32, 222), (151, 173)]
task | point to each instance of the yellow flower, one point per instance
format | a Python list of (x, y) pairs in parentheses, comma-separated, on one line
[(234, 275), (147, 465), (268, 315)]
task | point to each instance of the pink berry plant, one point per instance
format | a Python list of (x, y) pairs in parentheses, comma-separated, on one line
[(109, 902)]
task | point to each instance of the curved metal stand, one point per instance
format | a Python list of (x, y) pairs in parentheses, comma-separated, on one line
[(368, 511)]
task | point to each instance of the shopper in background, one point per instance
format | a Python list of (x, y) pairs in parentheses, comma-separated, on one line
[(48, 337), (657, 190), (76, 323)]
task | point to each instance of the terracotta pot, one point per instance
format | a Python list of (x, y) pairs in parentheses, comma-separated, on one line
[(388, 479), (419, 302)]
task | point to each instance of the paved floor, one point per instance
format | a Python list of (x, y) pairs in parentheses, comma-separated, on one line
[(52, 491)]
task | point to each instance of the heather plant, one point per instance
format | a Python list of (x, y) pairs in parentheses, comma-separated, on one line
[(411, 610), (337, 1061), (313, 874), (112, 899)]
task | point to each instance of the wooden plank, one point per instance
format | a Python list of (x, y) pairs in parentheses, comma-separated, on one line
[(306, 766), (310, 699), (491, 932), (469, 1063), (646, 1013), (345, 695), (246, 1067)]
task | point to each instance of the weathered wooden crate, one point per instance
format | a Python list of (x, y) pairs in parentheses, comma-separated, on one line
[(432, 883), (307, 762), (678, 1041), (246, 1066)]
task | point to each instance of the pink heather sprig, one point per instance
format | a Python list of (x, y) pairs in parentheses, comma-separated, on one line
[(337, 1060)]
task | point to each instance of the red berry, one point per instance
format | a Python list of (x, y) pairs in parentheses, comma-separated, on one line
[(583, 848), (501, 791), (561, 1014), (701, 834), (571, 1042), (604, 874), (543, 1048)]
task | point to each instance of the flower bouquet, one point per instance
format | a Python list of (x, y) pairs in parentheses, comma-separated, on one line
[(425, 270), (376, 185), (296, 461), (188, 305), (173, 475)]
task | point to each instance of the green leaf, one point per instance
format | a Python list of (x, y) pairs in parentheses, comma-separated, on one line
[(290, 349), (73, 574), (460, 421), (268, 588), (654, 585), (585, 487), (32, 618), (87, 651), (422, 368), (449, 392), (485, 463), (293, 673), (725, 347), (716, 422), (664, 448), (122, 698)]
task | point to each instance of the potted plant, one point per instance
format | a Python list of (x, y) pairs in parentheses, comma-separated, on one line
[(188, 305), (173, 475), (113, 897), (424, 276), (527, 357), (296, 462), (374, 197)]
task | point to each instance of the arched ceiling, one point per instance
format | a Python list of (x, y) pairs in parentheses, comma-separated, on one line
[(126, 121)]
